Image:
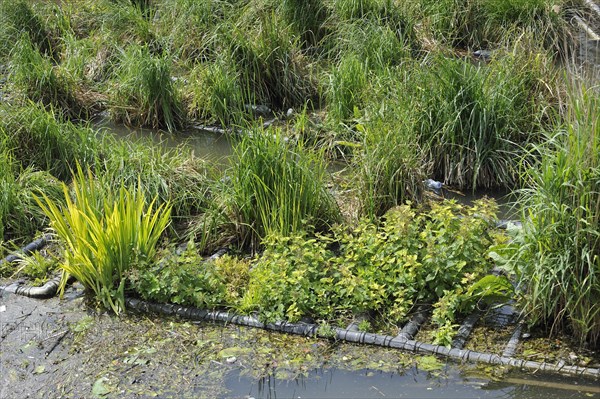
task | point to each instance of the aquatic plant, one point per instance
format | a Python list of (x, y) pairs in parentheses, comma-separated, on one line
[(278, 187), (106, 234), (144, 93), (557, 256)]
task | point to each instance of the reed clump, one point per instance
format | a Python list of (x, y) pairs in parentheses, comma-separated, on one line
[(557, 257), (278, 186), (144, 93)]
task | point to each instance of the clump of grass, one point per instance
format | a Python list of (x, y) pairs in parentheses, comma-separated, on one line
[(105, 235), (391, 168), (40, 139), (376, 44), (278, 187), (474, 120), (144, 93), (273, 70), (125, 24), (344, 89), (217, 94), (308, 20), (172, 176), (189, 28), (558, 255), (476, 24), (20, 216), (37, 79), (17, 18)]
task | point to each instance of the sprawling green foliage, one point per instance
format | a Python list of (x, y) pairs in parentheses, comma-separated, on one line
[(411, 258), (189, 279)]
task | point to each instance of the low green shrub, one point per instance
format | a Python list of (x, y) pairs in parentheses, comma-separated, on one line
[(188, 279), (413, 257)]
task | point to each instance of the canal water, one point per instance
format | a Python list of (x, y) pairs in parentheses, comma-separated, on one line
[(451, 382)]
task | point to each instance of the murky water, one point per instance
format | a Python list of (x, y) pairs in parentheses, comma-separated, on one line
[(206, 145), (451, 382)]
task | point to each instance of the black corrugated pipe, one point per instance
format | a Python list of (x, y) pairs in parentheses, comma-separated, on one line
[(26, 250), (351, 335)]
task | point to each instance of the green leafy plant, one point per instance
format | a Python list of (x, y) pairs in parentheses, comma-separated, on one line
[(412, 257), (105, 235), (190, 280)]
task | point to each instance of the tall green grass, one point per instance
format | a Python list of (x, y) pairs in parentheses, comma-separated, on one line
[(42, 140), (105, 235), (217, 94), (273, 70), (278, 186), (474, 120), (172, 176), (308, 19), (558, 254), (20, 216), (391, 167), (474, 24), (143, 92), (17, 18), (36, 77), (189, 29), (345, 87)]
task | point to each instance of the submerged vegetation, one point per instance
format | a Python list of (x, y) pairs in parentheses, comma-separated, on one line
[(470, 93)]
